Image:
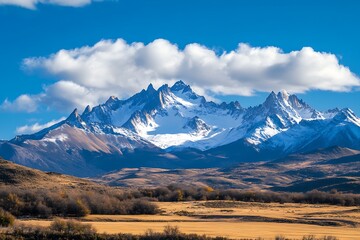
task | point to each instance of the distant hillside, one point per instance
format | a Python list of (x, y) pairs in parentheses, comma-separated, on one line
[(17, 176), (325, 169)]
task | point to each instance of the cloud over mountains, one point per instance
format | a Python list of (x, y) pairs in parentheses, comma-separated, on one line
[(31, 4), (35, 127), (90, 74)]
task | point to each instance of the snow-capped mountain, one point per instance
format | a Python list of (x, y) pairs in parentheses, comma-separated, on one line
[(174, 125), (168, 117)]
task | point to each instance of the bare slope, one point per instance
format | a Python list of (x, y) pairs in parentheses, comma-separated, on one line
[(17, 176), (325, 169)]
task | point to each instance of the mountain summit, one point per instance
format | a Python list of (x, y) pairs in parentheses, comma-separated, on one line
[(176, 126)]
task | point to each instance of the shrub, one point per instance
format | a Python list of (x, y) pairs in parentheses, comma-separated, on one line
[(42, 210), (77, 208), (171, 231), (150, 233), (6, 218), (72, 227), (143, 207), (329, 238), (73, 203), (309, 237), (280, 237)]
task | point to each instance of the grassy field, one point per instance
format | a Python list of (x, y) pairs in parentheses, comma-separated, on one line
[(236, 220)]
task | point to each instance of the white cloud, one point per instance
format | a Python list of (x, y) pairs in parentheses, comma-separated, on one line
[(90, 74), (23, 103), (28, 129), (31, 4)]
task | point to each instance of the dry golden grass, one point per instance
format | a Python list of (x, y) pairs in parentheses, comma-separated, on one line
[(237, 220), (21, 177), (288, 211)]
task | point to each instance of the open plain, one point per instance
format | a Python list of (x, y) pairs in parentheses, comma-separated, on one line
[(236, 220)]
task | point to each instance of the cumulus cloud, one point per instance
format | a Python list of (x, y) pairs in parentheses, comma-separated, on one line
[(23, 103), (90, 74), (28, 129), (31, 4)]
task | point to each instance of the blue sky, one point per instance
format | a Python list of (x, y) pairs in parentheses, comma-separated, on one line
[(37, 31)]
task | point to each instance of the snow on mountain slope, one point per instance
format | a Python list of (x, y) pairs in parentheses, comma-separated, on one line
[(277, 114), (167, 117), (304, 110), (177, 117), (296, 137), (343, 129), (74, 147), (172, 120), (162, 117)]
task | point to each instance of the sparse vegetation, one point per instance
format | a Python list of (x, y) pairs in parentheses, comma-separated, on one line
[(6, 218), (71, 227), (176, 193), (47, 203), (73, 230), (74, 203), (143, 207), (312, 237)]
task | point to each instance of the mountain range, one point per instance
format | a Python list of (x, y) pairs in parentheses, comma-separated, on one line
[(174, 127)]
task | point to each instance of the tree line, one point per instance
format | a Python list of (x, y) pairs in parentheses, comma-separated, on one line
[(46, 203)]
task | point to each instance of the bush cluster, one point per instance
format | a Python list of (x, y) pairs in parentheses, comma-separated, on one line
[(73, 227), (6, 218), (77, 203), (180, 193), (72, 203)]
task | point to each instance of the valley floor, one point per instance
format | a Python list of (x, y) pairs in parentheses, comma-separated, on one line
[(237, 220)]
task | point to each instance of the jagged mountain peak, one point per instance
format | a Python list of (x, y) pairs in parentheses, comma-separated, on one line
[(150, 88), (164, 88), (231, 105), (273, 100), (283, 94), (111, 100), (197, 124), (73, 115), (112, 103), (271, 97), (296, 102), (276, 103), (178, 86), (297, 109), (346, 114), (86, 111), (236, 104), (171, 119), (176, 116), (283, 97), (348, 111), (165, 95), (74, 119), (184, 89)]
